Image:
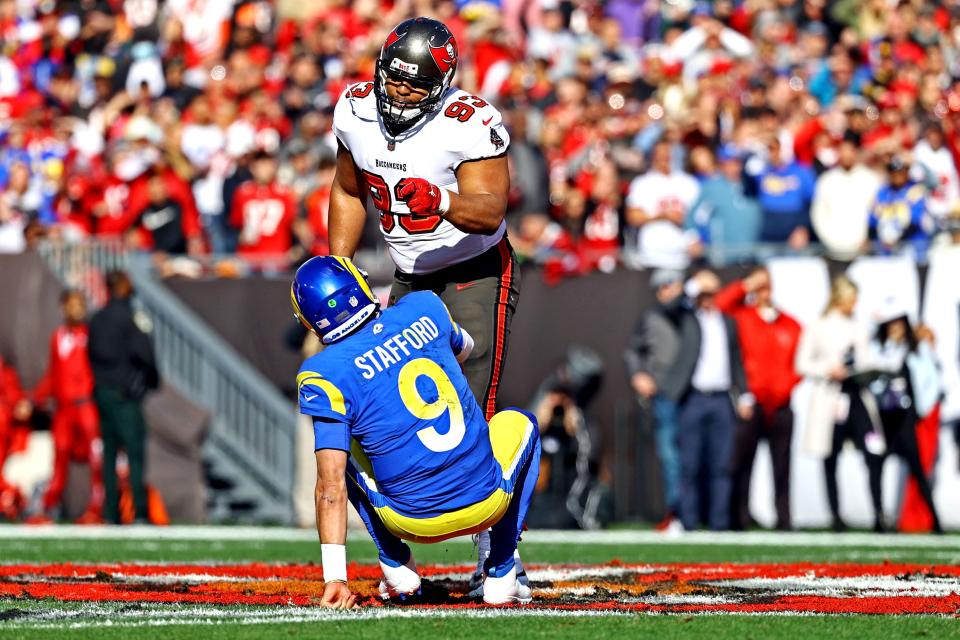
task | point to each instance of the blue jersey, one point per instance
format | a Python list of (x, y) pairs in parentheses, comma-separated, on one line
[(395, 387), (900, 214)]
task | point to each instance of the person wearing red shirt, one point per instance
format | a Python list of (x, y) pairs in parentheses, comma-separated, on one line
[(14, 407), (768, 339), (75, 426), (312, 226), (315, 231), (263, 211)]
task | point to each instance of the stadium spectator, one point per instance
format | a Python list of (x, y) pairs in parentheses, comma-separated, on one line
[(240, 149), (98, 98), (715, 395), (658, 379), (657, 207), (528, 169), (75, 426), (842, 201), (899, 218), (203, 143), (727, 219), (785, 189), (552, 40), (708, 45), (311, 228), (162, 223), (938, 170), (14, 407), (907, 390), (263, 211), (12, 226), (832, 351), (124, 371), (768, 338)]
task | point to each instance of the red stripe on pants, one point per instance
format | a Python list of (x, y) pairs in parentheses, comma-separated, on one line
[(499, 337)]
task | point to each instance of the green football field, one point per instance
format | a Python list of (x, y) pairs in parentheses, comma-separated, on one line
[(178, 582)]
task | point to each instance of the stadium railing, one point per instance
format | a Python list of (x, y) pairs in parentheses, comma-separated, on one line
[(251, 441)]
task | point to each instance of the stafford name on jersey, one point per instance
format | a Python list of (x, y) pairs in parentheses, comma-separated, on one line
[(397, 347), (464, 128)]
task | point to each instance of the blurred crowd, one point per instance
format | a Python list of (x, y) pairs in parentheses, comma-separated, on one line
[(645, 133), (715, 368)]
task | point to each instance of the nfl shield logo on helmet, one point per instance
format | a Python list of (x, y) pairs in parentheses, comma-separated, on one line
[(353, 301)]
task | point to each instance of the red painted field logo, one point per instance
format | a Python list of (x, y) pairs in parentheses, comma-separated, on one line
[(889, 589)]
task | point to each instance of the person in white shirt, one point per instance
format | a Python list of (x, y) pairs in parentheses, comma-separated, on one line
[(937, 162), (717, 393), (552, 41), (832, 350), (657, 207), (12, 225), (841, 201), (706, 42)]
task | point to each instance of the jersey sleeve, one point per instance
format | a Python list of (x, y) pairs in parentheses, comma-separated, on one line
[(488, 137), (343, 112), (328, 403)]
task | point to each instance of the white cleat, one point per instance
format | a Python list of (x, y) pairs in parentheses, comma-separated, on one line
[(475, 585), (401, 582), (506, 590)]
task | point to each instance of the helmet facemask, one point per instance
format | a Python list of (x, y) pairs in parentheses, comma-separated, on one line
[(399, 116)]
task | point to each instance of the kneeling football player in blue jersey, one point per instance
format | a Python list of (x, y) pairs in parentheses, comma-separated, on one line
[(398, 432)]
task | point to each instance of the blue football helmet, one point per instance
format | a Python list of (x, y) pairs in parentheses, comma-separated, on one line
[(331, 297)]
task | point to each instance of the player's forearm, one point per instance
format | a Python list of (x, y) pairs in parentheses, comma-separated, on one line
[(347, 217), (477, 212), (331, 498)]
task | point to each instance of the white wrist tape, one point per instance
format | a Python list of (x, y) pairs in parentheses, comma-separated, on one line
[(444, 205), (334, 558)]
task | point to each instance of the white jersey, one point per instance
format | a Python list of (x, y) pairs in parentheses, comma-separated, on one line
[(662, 243), (945, 196), (464, 128)]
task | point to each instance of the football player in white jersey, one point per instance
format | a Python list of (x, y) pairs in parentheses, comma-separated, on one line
[(433, 160)]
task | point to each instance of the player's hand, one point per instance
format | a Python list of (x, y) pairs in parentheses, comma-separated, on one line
[(336, 595), (422, 197)]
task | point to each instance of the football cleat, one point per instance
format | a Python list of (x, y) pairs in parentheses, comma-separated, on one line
[(401, 582), (506, 589), (477, 579)]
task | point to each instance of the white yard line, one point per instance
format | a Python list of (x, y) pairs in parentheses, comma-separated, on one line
[(282, 534), (160, 615)]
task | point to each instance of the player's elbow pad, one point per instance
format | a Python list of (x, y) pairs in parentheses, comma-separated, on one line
[(467, 347)]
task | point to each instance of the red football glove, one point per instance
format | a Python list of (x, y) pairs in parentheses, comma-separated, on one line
[(421, 197)]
